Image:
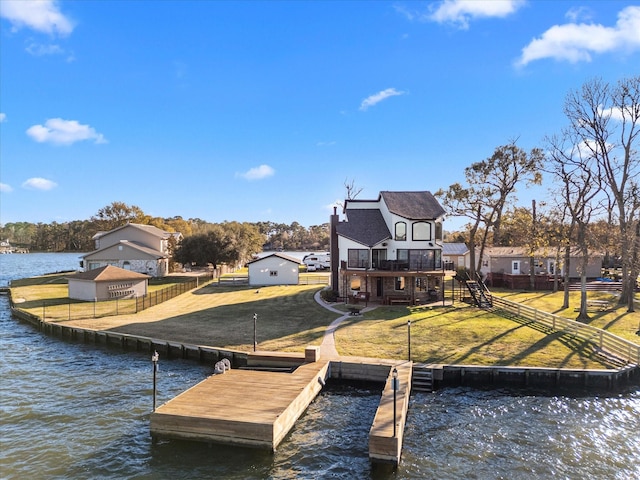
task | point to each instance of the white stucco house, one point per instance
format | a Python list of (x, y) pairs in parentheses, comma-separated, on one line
[(274, 269), (389, 249), (107, 283)]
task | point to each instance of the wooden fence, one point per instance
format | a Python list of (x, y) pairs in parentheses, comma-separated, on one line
[(54, 310), (607, 342)]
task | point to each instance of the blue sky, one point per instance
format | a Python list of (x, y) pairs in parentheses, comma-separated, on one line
[(256, 111)]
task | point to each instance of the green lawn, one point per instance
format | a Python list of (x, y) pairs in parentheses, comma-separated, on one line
[(288, 319), (615, 320)]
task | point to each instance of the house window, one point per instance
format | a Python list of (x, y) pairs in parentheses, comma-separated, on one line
[(422, 284), (358, 258), (378, 255), (421, 259), (401, 231), (399, 284), (438, 231), (273, 273), (355, 283), (421, 231)]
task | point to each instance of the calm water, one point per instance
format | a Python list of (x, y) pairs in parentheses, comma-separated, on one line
[(69, 410)]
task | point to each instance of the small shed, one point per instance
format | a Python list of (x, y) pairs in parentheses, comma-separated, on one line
[(107, 283), (274, 269)]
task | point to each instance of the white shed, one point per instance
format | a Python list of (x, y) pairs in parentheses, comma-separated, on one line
[(274, 269), (107, 283)]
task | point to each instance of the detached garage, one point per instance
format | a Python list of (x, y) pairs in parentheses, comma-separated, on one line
[(274, 269), (107, 283)]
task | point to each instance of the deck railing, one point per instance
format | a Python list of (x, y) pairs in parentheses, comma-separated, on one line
[(607, 342)]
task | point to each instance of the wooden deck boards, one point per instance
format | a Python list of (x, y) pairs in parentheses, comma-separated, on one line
[(383, 446), (241, 406)]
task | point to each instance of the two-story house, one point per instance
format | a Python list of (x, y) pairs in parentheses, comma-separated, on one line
[(389, 250), (135, 247)]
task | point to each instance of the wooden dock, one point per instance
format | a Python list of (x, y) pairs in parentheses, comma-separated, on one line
[(384, 446), (241, 407)]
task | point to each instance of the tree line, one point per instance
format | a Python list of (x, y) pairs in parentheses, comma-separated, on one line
[(246, 238), (593, 171)]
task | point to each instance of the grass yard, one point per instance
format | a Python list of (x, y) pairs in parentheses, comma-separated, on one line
[(289, 319), (460, 335), (288, 316), (615, 320)]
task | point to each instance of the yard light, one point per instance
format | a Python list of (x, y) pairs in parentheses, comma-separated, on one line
[(409, 339), (154, 358), (255, 334), (394, 385)]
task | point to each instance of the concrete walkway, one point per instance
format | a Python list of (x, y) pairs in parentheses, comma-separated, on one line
[(328, 346)]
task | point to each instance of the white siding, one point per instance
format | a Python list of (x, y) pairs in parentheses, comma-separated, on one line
[(273, 270)]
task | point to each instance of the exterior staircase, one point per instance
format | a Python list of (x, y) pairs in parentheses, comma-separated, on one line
[(422, 378), (480, 293)]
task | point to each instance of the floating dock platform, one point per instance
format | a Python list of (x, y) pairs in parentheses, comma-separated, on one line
[(241, 407)]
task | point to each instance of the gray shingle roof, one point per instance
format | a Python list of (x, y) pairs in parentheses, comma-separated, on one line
[(108, 273), (454, 248), (365, 226), (413, 205)]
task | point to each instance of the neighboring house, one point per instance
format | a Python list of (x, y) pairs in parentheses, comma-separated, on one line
[(456, 255), (511, 267), (135, 247), (274, 269), (107, 283), (389, 249), (5, 246)]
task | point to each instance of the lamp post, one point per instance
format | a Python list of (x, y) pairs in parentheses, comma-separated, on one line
[(409, 339), (255, 334), (154, 358), (394, 384)]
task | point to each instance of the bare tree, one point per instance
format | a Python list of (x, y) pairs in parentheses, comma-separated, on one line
[(605, 120), (577, 174)]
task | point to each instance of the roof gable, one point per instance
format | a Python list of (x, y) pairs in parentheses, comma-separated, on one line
[(413, 205), (130, 245), (108, 273), (365, 226), (279, 255), (150, 229)]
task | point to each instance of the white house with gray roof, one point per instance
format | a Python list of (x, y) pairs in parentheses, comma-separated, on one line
[(389, 249)]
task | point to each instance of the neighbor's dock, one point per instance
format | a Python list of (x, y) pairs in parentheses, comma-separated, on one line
[(241, 407)]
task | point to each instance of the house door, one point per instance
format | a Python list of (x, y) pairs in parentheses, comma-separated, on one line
[(515, 267), (379, 284)]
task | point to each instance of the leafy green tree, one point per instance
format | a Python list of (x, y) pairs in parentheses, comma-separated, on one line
[(213, 247), (118, 214)]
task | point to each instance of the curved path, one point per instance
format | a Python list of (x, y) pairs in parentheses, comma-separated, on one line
[(328, 346)]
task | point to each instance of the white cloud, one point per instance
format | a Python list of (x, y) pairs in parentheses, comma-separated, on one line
[(3, 117), (460, 12), (325, 144), (40, 15), (39, 49), (576, 42), (376, 98), (4, 188), (38, 183), (257, 173), (64, 132)]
